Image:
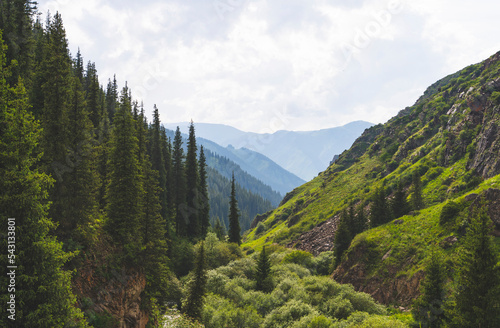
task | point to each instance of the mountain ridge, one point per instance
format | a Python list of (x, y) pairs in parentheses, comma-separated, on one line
[(303, 153)]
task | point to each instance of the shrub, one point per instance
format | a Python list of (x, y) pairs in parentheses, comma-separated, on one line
[(219, 312), (261, 227), (288, 270), (216, 282), (495, 97), (285, 315), (449, 213), (260, 301), (299, 257), (323, 263), (314, 321), (337, 307)]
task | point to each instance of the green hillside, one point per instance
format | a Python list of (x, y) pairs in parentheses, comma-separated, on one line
[(449, 138)]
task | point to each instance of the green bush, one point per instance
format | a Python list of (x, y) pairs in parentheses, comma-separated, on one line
[(219, 312), (314, 321), (282, 271), (182, 256), (262, 302), (449, 213), (299, 257), (285, 315), (219, 253), (338, 307), (261, 227), (324, 263), (495, 97)]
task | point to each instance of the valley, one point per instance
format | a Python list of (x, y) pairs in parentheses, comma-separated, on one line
[(115, 217)]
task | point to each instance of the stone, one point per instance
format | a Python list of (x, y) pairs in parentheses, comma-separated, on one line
[(448, 242)]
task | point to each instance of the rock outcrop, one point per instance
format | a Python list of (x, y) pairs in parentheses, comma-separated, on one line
[(115, 292), (400, 289), (318, 239)]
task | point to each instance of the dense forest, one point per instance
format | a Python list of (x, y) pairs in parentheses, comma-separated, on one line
[(87, 181)]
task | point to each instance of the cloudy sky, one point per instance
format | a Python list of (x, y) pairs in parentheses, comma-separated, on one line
[(266, 65)]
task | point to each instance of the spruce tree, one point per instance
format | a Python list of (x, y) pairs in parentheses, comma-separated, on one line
[(179, 184), (380, 212), (192, 188), (153, 235), (158, 161), (399, 204), (78, 66), (343, 238), (166, 148), (428, 308), (234, 216), (262, 276), (43, 295), (16, 22), (56, 90), (416, 199), (476, 299), (80, 203), (124, 188), (112, 98), (359, 224), (204, 205), (219, 229), (93, 95), (196, 287)]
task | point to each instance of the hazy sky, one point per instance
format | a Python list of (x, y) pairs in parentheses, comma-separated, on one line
[(266, 65)]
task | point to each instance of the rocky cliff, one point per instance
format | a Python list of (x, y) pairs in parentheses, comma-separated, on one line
[(110, 296)]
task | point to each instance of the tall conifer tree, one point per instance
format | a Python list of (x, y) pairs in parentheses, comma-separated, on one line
[(192, 188), (428, 308), (166, 148), (124, 188), (57, 90), (476, 301), (158, 161), (93, 95), (81, 205), (234, 216), (263, 273), (197, 286), (179, 184), (343, 237), (416, 199), (399, 204), (112, 98), (380, 212), (204, 207)]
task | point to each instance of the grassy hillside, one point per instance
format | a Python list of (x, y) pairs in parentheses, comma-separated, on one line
[(449, 137)]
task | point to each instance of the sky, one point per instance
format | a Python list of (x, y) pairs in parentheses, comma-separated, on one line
[(268, 65)]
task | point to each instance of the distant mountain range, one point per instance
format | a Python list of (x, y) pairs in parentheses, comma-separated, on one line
[(303, 153), (251, 162)]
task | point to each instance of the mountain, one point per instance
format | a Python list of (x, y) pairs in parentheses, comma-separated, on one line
[(254, 163), (445, 148), (304, 153), (254, 197)]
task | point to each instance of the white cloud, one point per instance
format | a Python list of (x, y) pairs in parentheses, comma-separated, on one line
[(263, 65)]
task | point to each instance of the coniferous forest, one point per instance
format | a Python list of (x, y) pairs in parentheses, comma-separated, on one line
[(110, 220)]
